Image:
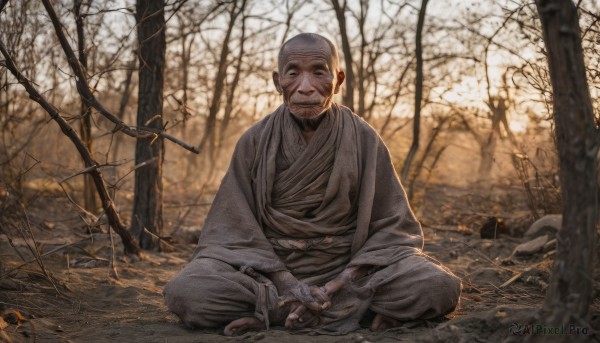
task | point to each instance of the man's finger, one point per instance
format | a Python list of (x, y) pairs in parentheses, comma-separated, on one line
[(289, 321), (320, 294), (294, 315), (317, 306), (286, 301)]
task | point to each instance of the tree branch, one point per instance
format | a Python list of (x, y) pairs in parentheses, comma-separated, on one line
[(129, 242), (88, 97)]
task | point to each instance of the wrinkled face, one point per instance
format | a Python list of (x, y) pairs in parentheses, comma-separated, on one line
[(308, 77)]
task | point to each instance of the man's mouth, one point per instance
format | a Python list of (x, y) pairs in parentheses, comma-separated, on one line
[(306, 104)]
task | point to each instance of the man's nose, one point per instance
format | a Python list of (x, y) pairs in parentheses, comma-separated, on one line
[(306, 87)]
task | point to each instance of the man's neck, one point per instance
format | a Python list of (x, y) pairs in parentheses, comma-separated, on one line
[(309, 125)]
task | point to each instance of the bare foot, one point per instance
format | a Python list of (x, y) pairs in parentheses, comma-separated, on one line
[(381, 322), (243, 325)]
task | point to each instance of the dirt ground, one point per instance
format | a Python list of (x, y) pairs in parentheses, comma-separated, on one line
[(73, 297)]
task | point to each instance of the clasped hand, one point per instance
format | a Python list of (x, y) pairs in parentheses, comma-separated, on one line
[(307, 302)]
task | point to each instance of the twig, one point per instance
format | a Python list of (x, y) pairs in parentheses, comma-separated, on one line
[(86, 212), (82, 171), (139, 165), (113, 261), (511, 280), (90, 168), (486, 258), (34, 250), (159, 238)]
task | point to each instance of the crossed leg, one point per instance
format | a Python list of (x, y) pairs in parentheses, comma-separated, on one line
[(418, 287), (212, 293)]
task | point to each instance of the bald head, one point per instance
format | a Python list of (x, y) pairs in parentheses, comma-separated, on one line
[(308, 39), (308, 75)]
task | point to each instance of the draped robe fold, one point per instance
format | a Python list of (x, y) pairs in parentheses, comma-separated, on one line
[(314, 209)]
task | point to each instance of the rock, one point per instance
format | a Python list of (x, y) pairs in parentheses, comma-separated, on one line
[(531, 247), (548, 224)]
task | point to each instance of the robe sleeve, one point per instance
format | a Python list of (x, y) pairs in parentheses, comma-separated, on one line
[(231, 232), (387, 229)]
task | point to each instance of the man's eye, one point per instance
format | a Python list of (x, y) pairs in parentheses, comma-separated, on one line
[(292, 73)]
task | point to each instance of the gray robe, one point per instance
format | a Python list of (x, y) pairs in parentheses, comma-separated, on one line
[(313, 209)]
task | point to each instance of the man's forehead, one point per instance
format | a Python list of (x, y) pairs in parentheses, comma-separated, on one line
[(304, 47), (309, 45)]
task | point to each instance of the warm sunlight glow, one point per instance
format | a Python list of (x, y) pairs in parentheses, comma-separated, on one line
[(469, 92), (519, 124)]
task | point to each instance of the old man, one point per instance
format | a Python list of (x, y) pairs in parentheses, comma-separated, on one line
[(311, 227)]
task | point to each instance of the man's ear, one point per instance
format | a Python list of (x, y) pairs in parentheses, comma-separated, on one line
[(341, 76), (276, 82)]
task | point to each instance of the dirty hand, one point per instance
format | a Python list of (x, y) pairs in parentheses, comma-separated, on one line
[(305, 302)]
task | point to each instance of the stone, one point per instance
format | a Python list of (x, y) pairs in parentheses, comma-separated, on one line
[(531, 247), (547, 225)]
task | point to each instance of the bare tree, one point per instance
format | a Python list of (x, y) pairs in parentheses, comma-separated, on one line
[(129, 242), (124, 101), (89, 194), (418, 93), (569, 294), (147, 216), (498, 106), (373, 46), (209, 136), (231, 92), (19, 120), (290, 10)]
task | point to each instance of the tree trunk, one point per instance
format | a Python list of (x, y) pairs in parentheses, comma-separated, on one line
[(123, 106), (486, 157), (362, 70), (234, 83), (147, 206), (89, 192), (340, 13), (569, 294), (418, 94), (428, 148)]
